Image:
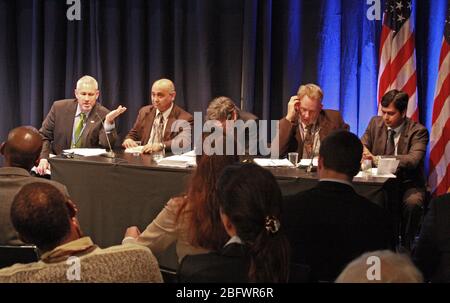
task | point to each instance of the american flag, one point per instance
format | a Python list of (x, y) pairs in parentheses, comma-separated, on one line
[(439, 179), (398, 54)]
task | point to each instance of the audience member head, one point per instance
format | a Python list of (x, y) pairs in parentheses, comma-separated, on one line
[(381, 267), (310, 96), (250, 203), (22, 148), (340, 156), (205, 227), (394, 105), (163, 94), (87, 93), (43, 216), (222, 109)]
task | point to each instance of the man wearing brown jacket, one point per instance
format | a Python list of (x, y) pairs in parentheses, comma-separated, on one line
[(164, 117), (307, 123)]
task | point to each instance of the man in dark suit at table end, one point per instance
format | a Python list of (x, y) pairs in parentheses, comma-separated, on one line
[(77, 123), (163, 124), (330, 224), (306, 123), (395, 135)]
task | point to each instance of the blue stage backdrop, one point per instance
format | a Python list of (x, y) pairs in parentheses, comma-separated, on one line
[(256, 51)]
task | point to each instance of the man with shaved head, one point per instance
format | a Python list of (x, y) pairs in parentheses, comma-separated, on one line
[(162, 124), (77, 123), (21, 152)]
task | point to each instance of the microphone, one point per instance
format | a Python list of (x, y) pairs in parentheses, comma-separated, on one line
[(109, 154)]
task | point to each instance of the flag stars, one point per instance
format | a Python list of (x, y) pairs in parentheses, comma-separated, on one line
[(399, 5), (400, 18), (409, 5)]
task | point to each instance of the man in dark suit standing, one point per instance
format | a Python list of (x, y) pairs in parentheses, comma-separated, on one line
[(330, 225), (163, 124), (395, 135), (306, 123), (432, 253), (76, 123)]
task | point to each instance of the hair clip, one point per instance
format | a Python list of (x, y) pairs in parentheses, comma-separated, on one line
[(272, 225)]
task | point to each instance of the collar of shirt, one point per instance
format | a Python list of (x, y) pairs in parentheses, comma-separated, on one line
[(234, 239), (78, 112), (337, 181), (166, 113), (398, 130), (66, 250)]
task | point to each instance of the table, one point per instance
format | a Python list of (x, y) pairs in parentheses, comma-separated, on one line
[(115, 193)]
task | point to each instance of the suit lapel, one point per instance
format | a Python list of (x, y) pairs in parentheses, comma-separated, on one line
[(403, 140), (323, 124), (148, 119), (91, 123), (171, 119), (69, 119), (382, 139), (298, 137)]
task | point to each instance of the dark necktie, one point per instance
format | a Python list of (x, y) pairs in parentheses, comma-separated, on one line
[(390, 146), (309, 141)]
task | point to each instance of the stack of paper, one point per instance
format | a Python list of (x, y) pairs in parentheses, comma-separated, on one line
[(181, 161), (307, 162), (273, 162), (134, 150), (85, 152)]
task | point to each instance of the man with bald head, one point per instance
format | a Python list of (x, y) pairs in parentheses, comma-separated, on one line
[(21, 152), (77, 123), (162, 124)]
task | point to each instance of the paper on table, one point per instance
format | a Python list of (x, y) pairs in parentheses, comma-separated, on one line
[(133, 150), (273, 162), (86, 152), (307, 162), (190, 154), (387, 166), (181, 161), (375, 173)]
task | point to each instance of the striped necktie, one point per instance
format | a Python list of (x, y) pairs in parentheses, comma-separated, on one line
[(78, 130)]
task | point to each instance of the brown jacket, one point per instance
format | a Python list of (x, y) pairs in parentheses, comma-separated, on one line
[(182, 131), (57, 128), (291, 139), (411, 149)]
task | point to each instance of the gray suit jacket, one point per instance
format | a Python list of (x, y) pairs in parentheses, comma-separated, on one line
[(291, 139), (411, 148), (57, 128), (12, 179), (179, 120)]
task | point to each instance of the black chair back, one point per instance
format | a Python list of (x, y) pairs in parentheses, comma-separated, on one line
[(10, 255)]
